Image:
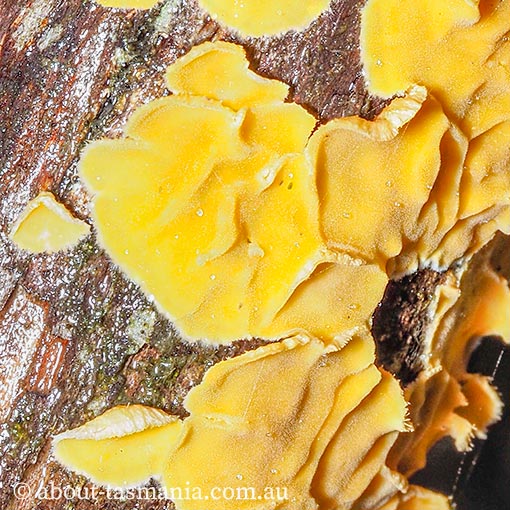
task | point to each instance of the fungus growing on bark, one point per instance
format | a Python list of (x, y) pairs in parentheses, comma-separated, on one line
[(123, 447), (224, 233), (265, 17), (45, 225), (257, 232), (315, 420)]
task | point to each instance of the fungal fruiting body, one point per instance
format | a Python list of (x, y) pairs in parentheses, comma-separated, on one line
[(225, 233), (259, 231), (458, 53), (221, 204), (464, 404), (462, 58), (123, 447), (265, 17), (316, 420), (46, 226), (376, 182), (461, 55)]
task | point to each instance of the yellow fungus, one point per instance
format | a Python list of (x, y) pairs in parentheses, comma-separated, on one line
[(219, 70), (418, 498), (385, 485), (433, 404), (375, 178), (461, 55), (336, 297), (265, 17), (294, 408), (46, 225), (225, 234), (447, 50), (123, 447), (256, 232), (445, 400)]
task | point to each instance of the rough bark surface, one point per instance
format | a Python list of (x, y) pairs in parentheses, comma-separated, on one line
[(400, 323), (76, 336)]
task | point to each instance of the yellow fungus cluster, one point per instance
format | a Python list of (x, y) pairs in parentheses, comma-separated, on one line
[(45, 225), (464, 404), (322, 435), (461, 55), (221, 203), (249, 17), (209, 202), (260, 229)]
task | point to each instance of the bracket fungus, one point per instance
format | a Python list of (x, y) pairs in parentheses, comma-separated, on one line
[(315, 420), (45, 225)]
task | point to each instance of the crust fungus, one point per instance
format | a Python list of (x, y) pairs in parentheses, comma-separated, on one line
[(316, 420), (123, 447), (46, 225), (376, 178), (265, 17), (225, 233), (461, 56)]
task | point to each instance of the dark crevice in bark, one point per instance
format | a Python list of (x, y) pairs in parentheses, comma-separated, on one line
[(400, 323)]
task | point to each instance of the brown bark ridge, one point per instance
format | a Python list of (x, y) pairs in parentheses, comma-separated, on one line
[(76, 336)]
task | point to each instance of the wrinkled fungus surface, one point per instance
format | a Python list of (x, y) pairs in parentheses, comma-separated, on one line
[(265, 17), (316, 420), (461, 55), (455, 52), (45, 225), (209, 202), (446, 400), (123, 447), (220, 203)]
